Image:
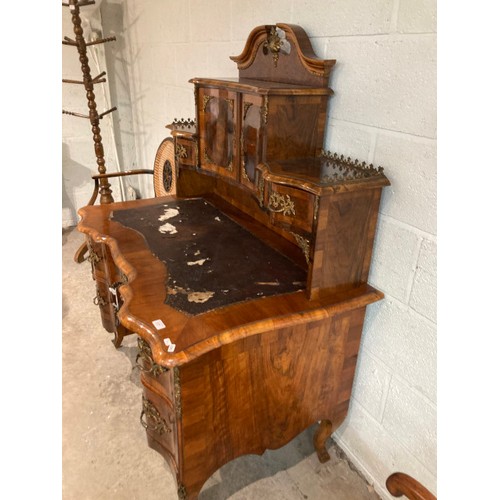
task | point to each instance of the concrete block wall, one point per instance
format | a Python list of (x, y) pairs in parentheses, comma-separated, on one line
[(383, 112)]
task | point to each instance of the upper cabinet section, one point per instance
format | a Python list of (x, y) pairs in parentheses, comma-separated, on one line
[(246, 122), (275, 110), (258, 145)]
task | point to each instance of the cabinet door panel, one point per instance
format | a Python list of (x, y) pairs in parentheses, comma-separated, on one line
[(218, 131), (250, 140)]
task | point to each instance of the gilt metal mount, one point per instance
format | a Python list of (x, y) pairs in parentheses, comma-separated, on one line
[(177, 393), (154, 421), (146, 359), (281, 204), (341, 168), (276, 43), (304, 245)]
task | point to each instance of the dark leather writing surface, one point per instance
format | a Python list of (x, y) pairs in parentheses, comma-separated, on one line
[(211, 260)]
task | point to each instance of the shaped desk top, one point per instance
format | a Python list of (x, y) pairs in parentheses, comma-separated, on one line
[(204, 324)]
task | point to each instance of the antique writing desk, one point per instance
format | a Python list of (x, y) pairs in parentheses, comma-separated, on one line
[(248, 287)]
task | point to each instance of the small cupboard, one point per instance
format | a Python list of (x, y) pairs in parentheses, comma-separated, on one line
[(244, 122)]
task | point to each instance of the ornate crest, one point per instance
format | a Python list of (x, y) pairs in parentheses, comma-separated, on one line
[(276, 42)]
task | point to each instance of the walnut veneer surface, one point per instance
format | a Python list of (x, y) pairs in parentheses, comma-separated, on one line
[(242, 378), (248, 288)]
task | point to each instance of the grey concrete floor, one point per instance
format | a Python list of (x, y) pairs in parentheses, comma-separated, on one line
[(105, 454)]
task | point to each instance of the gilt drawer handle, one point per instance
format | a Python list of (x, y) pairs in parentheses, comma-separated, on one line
[(93, 257), (99, 300), (113, 289), (146, 357), (157, 423), (280, 204)]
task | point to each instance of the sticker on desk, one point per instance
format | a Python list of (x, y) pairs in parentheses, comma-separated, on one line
[(168, 343), (158, 324)]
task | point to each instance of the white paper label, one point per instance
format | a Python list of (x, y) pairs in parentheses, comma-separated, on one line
[(158, 324), (167, 341), (171, 348)]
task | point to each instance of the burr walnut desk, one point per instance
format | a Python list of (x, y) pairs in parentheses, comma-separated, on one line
[(248, 287)]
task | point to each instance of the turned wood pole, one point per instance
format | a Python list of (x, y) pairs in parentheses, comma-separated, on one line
[(104, 186)]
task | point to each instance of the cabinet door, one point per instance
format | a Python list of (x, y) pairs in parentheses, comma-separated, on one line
[(217, 115), (250, 138)]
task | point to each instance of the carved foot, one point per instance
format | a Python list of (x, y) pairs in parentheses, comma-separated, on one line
[(120, 332), (323, 432), (117, 341)]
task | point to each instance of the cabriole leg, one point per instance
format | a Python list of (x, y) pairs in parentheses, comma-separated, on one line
[(323, 432)]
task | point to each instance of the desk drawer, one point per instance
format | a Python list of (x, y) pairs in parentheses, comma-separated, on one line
[(97, 258), (158, 418), (186, 152), (290, 207), (291, 210), (104, 300), (157, 377)]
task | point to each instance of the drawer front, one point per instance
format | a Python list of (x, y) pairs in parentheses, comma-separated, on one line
[(159, 378), (158, 418), (185, 152), (103, 266), (105, 301), (97, 258), (290, 208)]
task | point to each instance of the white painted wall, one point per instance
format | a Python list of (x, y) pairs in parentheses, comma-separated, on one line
[(383, 111)]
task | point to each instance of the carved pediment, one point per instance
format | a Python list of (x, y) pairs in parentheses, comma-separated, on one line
[(282, 53)]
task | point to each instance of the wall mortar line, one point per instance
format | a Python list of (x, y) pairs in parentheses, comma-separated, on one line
[(395, 16), (414, 268), (419, 232), (391, 131), (394, 438)]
